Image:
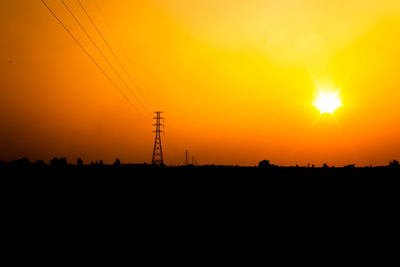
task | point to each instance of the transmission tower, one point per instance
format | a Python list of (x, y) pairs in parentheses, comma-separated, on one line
[(186, 157), (157, 150)]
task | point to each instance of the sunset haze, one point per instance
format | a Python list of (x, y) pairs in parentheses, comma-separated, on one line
[(236, 81)]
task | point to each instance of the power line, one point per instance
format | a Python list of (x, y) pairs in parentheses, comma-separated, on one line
[(105, 58), (115, 37), (92, 59), (110, 29), (114, 54)]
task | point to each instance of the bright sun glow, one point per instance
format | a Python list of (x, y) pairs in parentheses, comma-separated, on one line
[(327, 102)]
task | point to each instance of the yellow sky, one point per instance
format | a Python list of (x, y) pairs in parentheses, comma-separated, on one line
[(236, 80)]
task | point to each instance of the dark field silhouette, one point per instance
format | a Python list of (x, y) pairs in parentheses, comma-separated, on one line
[(155, 196), (59, 167), (128, 187)]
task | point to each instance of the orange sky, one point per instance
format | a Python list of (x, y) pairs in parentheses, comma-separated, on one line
[(236, 80)]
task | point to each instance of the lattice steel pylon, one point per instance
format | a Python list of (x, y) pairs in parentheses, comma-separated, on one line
[(157, 150), (186, 157)]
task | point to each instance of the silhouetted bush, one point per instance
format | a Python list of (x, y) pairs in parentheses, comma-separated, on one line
[(351, 166)]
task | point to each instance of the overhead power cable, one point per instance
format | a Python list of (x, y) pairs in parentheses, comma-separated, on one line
[(114, 54), (94, 61), (114, 36), (104, 57)]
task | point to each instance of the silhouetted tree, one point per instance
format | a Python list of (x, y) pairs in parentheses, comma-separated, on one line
[(394, 164), (101, 163), (40, 163), (22, 162), (117, 162), (264, 164), (58, 162), (79, 162), (325, 165)]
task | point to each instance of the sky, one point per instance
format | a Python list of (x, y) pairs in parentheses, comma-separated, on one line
[(236, 81)]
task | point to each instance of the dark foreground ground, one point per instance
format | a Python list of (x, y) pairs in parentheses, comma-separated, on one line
[(141, 171), (135, 208), (184, 179), (149, 189), (144, 181), (138, 189)]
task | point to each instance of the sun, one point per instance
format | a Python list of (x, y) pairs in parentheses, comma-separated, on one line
[(327, 102)]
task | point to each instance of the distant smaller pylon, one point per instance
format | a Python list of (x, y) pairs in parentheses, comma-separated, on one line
[(186, 157)]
